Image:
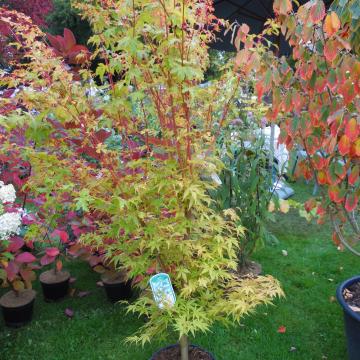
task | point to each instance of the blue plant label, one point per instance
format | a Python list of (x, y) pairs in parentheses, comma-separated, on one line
[(162, 290)]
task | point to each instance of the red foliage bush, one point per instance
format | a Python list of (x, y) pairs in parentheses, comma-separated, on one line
[(36, 9)]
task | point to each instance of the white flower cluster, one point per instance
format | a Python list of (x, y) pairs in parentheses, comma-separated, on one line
[(9, 222), (7, 193)]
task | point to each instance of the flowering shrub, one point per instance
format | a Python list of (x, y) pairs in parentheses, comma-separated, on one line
[(9, 221), (16, 266), (7, 193), (9, 224)]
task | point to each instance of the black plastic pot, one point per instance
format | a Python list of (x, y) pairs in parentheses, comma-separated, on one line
[(176, 345), (118, 291), (352, 320), (55, 291), (18, 316)]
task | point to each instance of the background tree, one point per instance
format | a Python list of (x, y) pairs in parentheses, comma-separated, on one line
[(317, 101)]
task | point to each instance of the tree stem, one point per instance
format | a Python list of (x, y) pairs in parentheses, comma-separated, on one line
[(184, 347)]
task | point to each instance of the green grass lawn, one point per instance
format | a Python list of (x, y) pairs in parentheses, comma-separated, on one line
[(309, 276)]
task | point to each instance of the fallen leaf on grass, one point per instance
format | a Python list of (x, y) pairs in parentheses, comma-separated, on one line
[(82, 294), (72, 292), (284, 206), (292, 349), (332, 299), (284, 252), (282, 330), (100, 283), (72, 280), (69, 313)]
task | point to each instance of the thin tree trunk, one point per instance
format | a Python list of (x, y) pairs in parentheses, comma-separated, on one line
[(272, 151), (184, 347)]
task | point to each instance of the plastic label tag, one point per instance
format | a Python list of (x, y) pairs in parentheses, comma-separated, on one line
[(162, 290)]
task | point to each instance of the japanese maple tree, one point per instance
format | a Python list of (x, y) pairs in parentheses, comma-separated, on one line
[(137, 155)]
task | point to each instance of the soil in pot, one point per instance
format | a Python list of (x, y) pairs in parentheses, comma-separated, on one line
[(352, 296), (173, 353), (55, 285), (117, 287), (17, 309)]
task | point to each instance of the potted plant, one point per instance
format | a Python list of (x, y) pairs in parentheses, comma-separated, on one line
[(17, 304), (116, 283), (348, 295), (16, 267), (163, 222), (55, 282), (316, 100), (246, 182)]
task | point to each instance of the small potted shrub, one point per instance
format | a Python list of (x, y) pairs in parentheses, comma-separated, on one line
[(16, 267), (116, 283), (246, 183), (17, 304), (55, 282)]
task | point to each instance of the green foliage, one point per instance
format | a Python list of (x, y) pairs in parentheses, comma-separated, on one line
[(349, 12), (246, 182), (217, 62), (64, 15)]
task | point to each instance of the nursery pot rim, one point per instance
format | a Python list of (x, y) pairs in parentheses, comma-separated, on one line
[(66, 273), (175, 345), (341, 300), (32, 293)]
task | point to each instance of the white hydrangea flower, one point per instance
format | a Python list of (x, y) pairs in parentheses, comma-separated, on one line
[(10, 224), (7, 193)]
